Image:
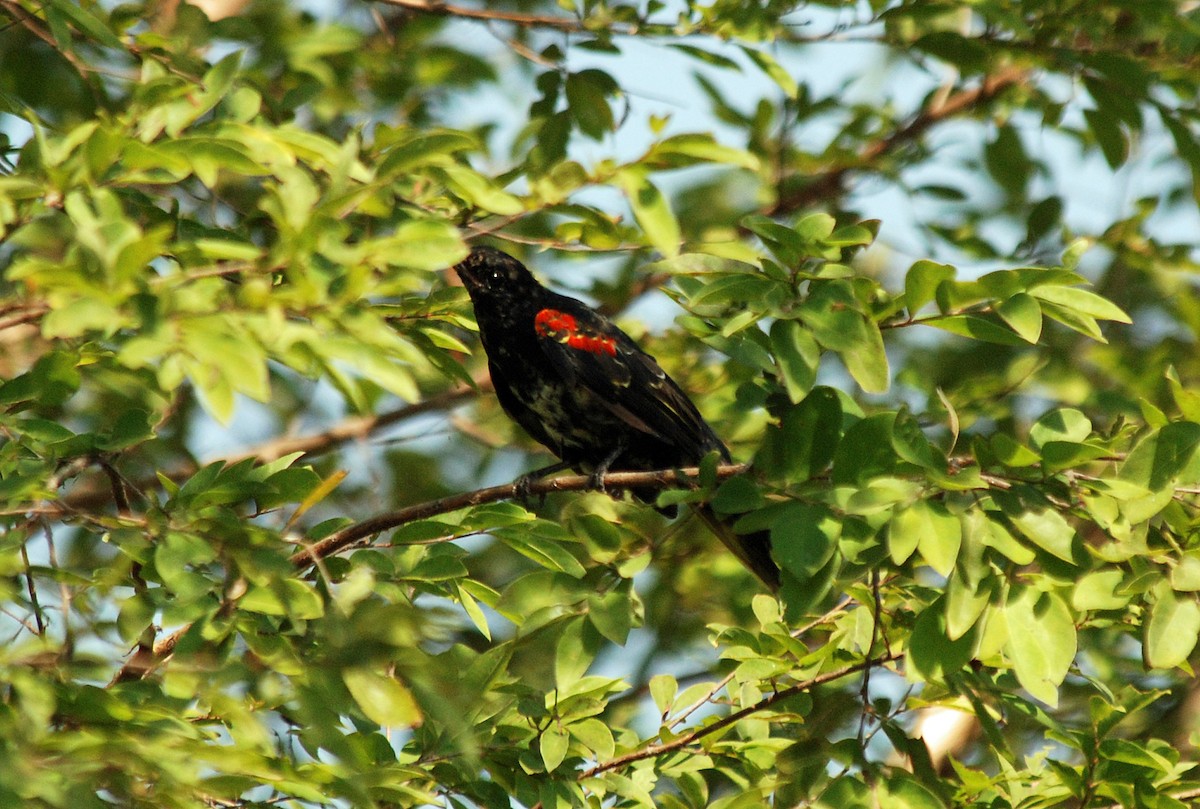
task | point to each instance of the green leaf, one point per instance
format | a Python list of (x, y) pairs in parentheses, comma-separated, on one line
[(290, 597), (925, 525), (1064, 424), (834, 315), (1185, 576), (480, 191), (588, 92), (577, 647), (940, 541), (921, 282), (1098, 591), (553, 746), (977, 328), (767, 64), (933, 654), (1038, 521), (1170, 634), (691, 149), (422, 244), (904, 532), (806, 439), (1010, 453), (1041, 641), (595, 736), (88, 23), (1187, 401), (383, 699), (663, 688), (804, 537), (996, 535), (651, 210), (1166, 458), (612, 614), (1022, 313), (965, 604), (797, 355), (1081, 301), (1110, 136)]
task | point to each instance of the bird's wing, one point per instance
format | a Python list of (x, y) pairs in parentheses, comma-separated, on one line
[(589, 351)]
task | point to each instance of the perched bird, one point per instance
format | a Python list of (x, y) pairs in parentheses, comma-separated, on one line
[(583, 388)]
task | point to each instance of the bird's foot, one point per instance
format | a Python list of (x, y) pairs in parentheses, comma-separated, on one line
[(523, 484), (596, 478)]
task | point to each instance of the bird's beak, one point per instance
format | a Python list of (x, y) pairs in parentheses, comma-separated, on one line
[(463, 270)]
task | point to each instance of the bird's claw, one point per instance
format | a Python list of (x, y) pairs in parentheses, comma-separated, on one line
[(522, 489), (596, 481)]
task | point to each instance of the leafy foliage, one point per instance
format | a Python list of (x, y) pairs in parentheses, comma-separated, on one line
[(243, 419)]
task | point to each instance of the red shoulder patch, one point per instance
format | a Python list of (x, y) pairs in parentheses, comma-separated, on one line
[(564, 328)]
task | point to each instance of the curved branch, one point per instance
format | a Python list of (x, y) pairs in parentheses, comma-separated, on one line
[(826, 185), (356, 429), (440, 9), (613, 481), (353, 429), (145, 660)]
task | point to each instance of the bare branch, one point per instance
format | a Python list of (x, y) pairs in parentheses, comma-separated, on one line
[(613, 481), (40, 30), (30, 314), (356, 429), (831, 183), (686, 739), (440, 9), (727, 679)]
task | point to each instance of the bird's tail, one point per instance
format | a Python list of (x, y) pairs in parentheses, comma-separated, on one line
[(753, 549)]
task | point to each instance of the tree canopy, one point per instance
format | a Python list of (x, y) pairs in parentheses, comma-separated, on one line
[(929, 268)]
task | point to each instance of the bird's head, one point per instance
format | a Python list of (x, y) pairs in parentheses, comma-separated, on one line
[(497, 278)]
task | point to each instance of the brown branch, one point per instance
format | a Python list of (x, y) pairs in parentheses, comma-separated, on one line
[(356, 429), (692, 736), (144, 661), (613, 481), (353, 429), (829, 184), (440, 9), (36, 27), (682, 716), (31, 315)]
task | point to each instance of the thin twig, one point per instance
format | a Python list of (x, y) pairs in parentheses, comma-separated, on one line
[(32, 589), (30, 315), (865, 689), (686, 739), (728, 678), (64, 592), (355, 429)]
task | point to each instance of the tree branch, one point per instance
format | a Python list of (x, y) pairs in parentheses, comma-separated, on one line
[(684, 740), (39, 29), (613, 481), (88, 495), (143, 661), (358, 428), (829, 184), (440, 9)]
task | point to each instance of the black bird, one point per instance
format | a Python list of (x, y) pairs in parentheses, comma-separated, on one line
[(583, 388)]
